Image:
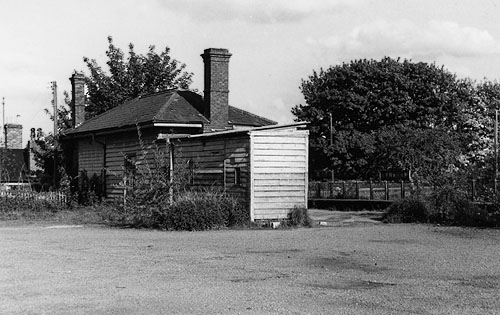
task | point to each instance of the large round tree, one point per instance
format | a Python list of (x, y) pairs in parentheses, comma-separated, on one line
[(374, 106)]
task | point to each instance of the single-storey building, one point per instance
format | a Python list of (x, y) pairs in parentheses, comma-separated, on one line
[(108, 145)]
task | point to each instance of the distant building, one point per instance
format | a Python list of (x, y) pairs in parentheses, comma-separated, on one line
[(14, 167)]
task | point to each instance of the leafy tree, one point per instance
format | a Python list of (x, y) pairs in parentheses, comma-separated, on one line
[(43, 149), (376, 104), (127, 79), (426, 153)]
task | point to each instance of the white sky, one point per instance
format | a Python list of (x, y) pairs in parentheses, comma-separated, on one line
[(275, 43)]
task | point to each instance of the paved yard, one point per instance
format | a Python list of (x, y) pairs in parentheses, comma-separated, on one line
[(353, 265)]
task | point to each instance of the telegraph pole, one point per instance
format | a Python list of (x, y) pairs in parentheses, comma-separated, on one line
[(54, 102), (496, 153), (3, 123), (332, 172)]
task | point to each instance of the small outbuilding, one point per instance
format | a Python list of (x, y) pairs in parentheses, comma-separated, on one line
[(266, 167)]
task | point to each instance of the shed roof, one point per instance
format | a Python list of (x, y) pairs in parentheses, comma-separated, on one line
[(291, 126)]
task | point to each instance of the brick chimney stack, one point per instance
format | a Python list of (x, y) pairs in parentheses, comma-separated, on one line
[(13, 136), (78, 98), (216, 89)]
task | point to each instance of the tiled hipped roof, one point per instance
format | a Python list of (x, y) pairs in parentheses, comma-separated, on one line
[(171, 106)]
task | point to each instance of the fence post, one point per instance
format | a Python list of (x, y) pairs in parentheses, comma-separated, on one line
[(386, 188), (330, 186), (357, 190), (318, 189), (473, 193), (371, 190), (343, 189), (402, 190)]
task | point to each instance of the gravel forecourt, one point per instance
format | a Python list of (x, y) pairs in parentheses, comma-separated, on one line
[(351, 265)]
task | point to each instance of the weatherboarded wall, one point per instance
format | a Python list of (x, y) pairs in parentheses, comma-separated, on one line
[(90, 157), (279, 172), (107, 154), (217, 162), (267, 169)]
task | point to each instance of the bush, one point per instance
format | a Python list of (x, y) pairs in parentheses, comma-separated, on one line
[(447, 206), (299, 217), (191, 210), (18, 206), (203, 210), (450, 206), (407, 210)]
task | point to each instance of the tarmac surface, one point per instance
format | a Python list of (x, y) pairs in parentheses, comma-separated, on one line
[(351, 264)]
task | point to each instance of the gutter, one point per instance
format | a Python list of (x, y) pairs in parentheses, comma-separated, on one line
[(130, 128)]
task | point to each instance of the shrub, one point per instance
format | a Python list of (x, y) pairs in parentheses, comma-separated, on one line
[(190, 210), (299, 217), (450, 206), (209, 209), (407, 210)]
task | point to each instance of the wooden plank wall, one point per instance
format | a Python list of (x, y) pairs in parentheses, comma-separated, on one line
[(279, 173), (117, 148), (214, 162), (90, 157)]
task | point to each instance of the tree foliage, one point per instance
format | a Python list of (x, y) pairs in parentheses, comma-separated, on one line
[(128, 78), (394, 114)]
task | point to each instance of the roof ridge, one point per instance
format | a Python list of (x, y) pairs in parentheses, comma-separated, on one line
[(157, 93), (254, 115), (165, 106)]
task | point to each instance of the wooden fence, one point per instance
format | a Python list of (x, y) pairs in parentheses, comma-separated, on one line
[(365, 190), (52, 197)]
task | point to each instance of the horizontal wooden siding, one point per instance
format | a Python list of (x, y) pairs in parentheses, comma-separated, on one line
[(279, 173), (215, 161)]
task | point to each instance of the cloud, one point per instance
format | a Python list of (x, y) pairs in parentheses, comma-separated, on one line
[(257, 11), (406, 39)]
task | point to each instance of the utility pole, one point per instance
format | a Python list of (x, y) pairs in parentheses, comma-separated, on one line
[(496, 153), (3, 123), (54, 102), (331, 144)]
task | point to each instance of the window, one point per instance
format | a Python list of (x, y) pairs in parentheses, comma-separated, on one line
[(237, 175)]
